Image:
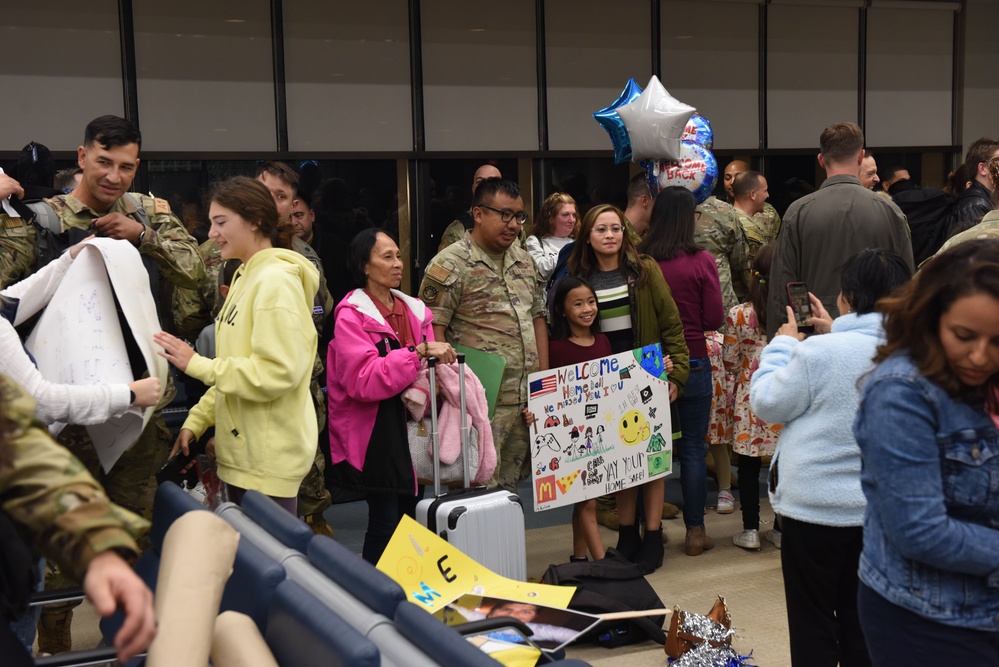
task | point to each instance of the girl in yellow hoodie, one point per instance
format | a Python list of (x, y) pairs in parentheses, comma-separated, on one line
[(258, 397)]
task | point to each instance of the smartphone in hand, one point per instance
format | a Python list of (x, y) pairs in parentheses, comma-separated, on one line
[(797, 298)]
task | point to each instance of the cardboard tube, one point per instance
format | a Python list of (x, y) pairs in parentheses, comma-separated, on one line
[(238, 643), (198, 553)]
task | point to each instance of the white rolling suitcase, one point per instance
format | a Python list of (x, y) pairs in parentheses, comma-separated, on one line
[(485, 524)]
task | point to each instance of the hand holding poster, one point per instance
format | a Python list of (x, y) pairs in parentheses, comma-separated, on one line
[(79, 338), (600, 427)]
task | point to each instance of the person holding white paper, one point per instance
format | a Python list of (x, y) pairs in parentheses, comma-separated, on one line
[(67, 403)]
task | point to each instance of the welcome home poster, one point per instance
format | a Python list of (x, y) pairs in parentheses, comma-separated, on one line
[(600, 427)]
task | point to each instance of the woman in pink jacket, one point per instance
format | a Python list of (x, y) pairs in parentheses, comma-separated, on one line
[(381, 339)]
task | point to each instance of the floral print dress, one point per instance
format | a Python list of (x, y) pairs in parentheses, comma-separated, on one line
[(744, 341)]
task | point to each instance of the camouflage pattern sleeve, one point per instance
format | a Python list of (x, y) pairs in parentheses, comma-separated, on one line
[(322, 305), (452, 234), (441, 289), (717, 230), (194, 309), (17, 249), (48, 491), (168, 243)]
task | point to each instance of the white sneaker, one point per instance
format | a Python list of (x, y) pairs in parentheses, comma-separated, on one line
[(773, 536), (726, 503), (747, 539)]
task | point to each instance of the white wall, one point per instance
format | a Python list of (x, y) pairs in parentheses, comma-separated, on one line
[(981, 72)]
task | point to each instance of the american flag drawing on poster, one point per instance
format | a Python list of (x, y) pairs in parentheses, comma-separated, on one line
[(543, 386)]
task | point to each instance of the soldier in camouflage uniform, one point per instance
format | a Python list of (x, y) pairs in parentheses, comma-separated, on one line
[(456, 230), (484, 294), (101, 204), (718, 231), (54, 500), (749, 191), (766, 221)]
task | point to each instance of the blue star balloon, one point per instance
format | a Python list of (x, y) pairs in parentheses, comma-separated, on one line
[(611, 121)]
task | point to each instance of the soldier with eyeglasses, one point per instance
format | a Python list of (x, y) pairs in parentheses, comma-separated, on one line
[(485, 294)]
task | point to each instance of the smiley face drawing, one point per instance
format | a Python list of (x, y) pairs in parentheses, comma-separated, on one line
[(633, 428)]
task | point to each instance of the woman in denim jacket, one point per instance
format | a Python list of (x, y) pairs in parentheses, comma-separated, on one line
[(929, 569)]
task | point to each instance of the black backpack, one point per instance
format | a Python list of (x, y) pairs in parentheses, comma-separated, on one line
[(613, 584), (51, 240)]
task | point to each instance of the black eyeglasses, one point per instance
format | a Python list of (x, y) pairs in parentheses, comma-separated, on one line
[(506, 215)]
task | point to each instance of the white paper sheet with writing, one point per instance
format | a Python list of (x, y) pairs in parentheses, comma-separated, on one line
[(78, 339)]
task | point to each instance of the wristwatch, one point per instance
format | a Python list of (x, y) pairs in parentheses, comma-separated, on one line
[(131, 398), (142, 236)]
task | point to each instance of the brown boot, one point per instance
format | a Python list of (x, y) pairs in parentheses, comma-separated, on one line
[(317, 522), (54, 634), (697, 541), (609, 518), (670, 511)]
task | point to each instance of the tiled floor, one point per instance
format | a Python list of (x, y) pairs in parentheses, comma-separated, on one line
[(751, 582)]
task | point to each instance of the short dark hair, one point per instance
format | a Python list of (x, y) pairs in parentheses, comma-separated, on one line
[(65, 178), (912, 314), (253, 202), (560, 325), (840, 142), (745, 182), (638, 186), (671, 225), (871, 275), (360, 252), (111, 131), (279, 170), (490, 187), (980, 151)]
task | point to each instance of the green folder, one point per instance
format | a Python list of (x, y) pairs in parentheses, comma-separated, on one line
[(488, 368)]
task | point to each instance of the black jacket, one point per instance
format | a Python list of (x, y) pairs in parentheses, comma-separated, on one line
[(974, 203)]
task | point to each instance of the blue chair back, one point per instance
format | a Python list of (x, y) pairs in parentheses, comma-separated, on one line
[(357, 576), (303, 631)]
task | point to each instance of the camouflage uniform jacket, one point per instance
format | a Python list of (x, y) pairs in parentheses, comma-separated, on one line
[(194, 309), (988, 228), (490, 305), (454, 233), (166, 240), (49, 493), (718, 231), (760, 229)]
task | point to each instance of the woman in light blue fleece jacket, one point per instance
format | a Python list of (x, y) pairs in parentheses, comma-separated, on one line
[(811, 387)]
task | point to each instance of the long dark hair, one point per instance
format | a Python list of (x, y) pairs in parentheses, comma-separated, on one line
[(560, 323), (871, 275), (583, 261), (671, 227), (913, 312)]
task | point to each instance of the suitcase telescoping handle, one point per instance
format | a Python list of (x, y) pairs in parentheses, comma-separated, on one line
[(435, 435)]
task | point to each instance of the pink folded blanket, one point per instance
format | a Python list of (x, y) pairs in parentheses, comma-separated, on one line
[(449, 418)]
